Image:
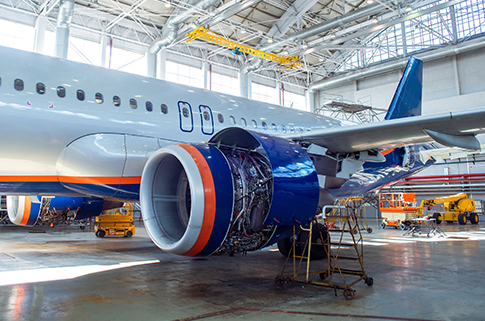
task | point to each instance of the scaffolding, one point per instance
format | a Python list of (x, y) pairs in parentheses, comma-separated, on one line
[(344, 264), (360, 111)]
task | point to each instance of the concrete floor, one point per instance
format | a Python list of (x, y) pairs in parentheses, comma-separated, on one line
[(414, 279)]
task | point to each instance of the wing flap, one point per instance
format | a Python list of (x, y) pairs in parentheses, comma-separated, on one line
[(396, 132)]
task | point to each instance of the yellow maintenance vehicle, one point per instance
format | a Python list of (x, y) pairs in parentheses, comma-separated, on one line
[(454, 208), (116, 222)]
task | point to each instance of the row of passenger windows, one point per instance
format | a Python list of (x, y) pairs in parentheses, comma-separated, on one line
[(98, 98), (40, 88)]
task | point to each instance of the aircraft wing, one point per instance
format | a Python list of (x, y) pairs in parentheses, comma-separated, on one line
[(453, 129)]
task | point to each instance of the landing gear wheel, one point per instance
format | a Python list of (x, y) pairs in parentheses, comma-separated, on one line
[(402, 227), (383, 225), (100, 233), (474, 218), (369, 281), (369, 230), (437, 217), (129, 234), (462, 219), (349, 294)]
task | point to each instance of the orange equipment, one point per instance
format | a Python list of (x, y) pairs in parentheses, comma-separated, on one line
[(397, 209)]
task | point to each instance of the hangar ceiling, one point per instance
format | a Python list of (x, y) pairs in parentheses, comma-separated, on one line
[(331, 36)]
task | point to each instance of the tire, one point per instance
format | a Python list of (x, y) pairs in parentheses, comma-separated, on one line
[(369, 281), (474, 218), (383, 225), (284, 246), (129, 234), (369, 230), (100, 233), (437, 217), (402, 227), (319, 248), (462, 219)]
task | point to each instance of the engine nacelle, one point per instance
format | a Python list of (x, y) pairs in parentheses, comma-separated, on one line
[(25, 210), (239, 192)]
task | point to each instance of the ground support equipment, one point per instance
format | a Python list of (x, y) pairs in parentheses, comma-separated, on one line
[(331, 272), (428, 226), (116, 222)]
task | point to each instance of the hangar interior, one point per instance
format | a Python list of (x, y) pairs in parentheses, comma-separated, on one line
[(351, 53)]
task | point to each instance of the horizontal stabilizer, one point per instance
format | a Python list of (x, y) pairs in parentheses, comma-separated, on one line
[(462, 141)]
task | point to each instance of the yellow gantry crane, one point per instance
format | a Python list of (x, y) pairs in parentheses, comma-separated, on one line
[(207, 35)]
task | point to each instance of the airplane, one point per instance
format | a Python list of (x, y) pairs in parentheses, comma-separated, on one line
[(214, 173)]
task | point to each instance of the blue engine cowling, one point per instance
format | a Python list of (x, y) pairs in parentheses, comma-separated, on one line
[(241, 191), (25, 210)]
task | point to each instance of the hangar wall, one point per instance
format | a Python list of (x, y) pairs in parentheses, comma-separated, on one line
[(451, 83)]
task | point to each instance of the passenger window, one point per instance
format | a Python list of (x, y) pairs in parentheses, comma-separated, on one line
[(116, 101), (283, 129), (164, 109), (255, 124), (133, 104), (206, 116), (233, 120), (149, 106), (220, 118), (99, 98), (265, 126), (292, 129), (273, 126), (40, 88), (0, 81), (61, 92), (243, 122), (80, 95), (18, 84), (185, 112)]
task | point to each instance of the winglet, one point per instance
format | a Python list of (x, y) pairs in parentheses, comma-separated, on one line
[(407, 98)]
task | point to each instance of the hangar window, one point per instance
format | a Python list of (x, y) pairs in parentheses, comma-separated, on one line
[(274, 127), (243, 122), (40, 88), (255, 124), (185, 112), (99, 98), (61, 92), (18, 84), (149, 106), (133, 104), (220, 118), (164, 108), (233, 120), (116, 101), (265, 126), (80, 95)]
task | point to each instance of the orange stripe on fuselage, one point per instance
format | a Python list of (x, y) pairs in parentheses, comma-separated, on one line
[(209, 200), (387, 151), (26, 214), (95, 180)]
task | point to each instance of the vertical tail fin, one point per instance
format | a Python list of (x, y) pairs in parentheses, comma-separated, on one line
[(407, 98)]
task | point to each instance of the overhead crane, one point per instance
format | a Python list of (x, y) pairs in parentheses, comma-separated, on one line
[(237, 48)]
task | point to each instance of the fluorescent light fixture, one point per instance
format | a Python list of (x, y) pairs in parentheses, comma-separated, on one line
[(243, 31), (270, 40), (374, 20), (167, 5), (370, 1), (408, 8)]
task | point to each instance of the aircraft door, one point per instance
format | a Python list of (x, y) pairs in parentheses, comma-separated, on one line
[(186, 117), (206, 119)]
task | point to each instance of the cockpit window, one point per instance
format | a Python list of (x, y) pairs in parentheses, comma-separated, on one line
[(40, 88), (61, 92), (18, 84)]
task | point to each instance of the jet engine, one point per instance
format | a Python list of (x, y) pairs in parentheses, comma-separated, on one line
[(239, 192), (27, 210)]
